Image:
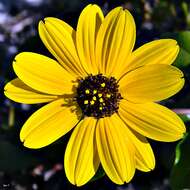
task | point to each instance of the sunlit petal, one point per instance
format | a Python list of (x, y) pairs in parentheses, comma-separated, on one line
[(43, 74), (87, 29), (81, 158), (151, 83), (115, 151), (163, 51), (49, 124), (152, 120), (59, 38), (17, 91), (115, 41)]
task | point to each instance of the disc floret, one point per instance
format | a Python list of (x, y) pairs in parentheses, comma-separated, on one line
[(98, 96)]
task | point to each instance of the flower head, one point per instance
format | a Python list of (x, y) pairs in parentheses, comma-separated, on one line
[(103, 90)]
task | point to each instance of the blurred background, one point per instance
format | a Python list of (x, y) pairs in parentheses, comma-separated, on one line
[(25, 169)]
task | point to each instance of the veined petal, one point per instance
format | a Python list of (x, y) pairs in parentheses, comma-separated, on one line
[(17, 91), (81, 158), (145, 160), (162, 51), (115, 41), (49, 124), (59, 38), (87, 29), (151, 83), (115, 151), (43, 74), (152, 120)]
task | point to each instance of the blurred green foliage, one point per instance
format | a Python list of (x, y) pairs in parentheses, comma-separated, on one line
[(180, 174), (183, 39)]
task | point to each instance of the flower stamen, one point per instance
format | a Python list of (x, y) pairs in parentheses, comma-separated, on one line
[(98, 96)]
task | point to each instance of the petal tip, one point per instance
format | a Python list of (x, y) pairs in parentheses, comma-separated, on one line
[(170, 41), (177, 49), (29, 145), (152, 167), (50, 20), (6, 87), (22, 137), (41, 25), (6, 93)]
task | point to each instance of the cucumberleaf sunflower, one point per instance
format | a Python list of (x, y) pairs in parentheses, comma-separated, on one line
[(103, 90)]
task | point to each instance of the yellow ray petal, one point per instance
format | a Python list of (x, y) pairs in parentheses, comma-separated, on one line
[(162, 51), (43, 74), (87, 29), (151, 83), (115, 150), (152, 120), (144, 155), (59, 38), (115, 41), (145, 160), (17, 91), (81, 158), (49, 124)]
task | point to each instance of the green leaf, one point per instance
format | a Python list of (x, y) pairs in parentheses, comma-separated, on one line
[(183, 39), (12, 158), (183, 59), (184, 117), (180, 174)]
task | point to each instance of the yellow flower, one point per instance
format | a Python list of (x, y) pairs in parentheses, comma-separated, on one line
[(102, 90)]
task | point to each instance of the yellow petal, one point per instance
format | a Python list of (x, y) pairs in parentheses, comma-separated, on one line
[(49, 124), (81, 158), (43, 74), (17, 91), (152, 120), (59, 38), (87, 29), (145, 160), (115, 41), (162, 51), (144, 155), (151, 83), (115, 150)]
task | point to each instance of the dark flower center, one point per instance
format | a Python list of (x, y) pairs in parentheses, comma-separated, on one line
[(98, 96)]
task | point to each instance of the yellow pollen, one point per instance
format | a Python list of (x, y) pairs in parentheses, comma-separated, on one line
[(100, 108), (101, 100), (103, 85), (92, 102), (87, 91), (94, 91), (86, 102), (108, 95), (94, 98), (99, 95)]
